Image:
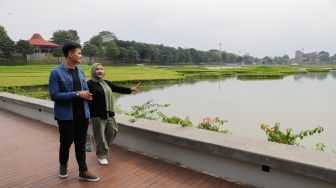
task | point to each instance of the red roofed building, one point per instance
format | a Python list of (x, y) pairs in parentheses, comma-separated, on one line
[(41, 45)]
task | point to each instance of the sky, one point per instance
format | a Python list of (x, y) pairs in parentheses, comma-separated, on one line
[(256, 27)]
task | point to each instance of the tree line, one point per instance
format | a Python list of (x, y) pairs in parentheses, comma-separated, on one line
[(106, 46), (8, 47)]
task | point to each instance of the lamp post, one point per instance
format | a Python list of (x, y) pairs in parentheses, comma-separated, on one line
[(220, 53)]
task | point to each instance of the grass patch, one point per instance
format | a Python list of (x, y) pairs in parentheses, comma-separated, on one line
[(36, 75), (315, 70)]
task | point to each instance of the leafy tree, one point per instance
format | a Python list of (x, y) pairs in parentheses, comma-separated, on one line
[(132, 53), (123, 54), (57, 52), (285, 59), (144, 51), (24, 48), (213, 56), (63, 36), (154, 53), (183, 55), (187, 56), (111, 50), (97, 40), (165, 55), (238, 59), (333, 58), (225, 57), (7, 45), (195, 55), (174, 53), (204, 57), (74, 35), (248, 59), (231, 58), (99, 43), (3, 32), (323, 56), (277, 59), (90, 50), (267, 60), (107, 36)]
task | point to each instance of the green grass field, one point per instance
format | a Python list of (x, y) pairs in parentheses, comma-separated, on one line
[(36, 75)]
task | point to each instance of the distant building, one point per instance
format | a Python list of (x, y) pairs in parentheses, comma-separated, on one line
[(301, 57), (41, 48), (41, 45)]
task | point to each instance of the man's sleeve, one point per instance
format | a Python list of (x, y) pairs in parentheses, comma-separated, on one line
[(54, 90)]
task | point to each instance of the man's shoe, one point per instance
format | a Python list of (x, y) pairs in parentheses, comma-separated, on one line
[(103, 161), (63, 171), (87, 176)]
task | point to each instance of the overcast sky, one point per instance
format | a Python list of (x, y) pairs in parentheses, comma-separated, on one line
[(257, 27)]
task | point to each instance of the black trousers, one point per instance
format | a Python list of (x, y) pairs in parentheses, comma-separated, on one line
[(73, 131)]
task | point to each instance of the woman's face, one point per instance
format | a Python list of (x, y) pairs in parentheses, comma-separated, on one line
[(100, 71)]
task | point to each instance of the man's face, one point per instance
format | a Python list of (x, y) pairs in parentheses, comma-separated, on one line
[(76, 56)]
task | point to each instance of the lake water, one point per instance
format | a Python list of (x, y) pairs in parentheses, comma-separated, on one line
[(299, 102)]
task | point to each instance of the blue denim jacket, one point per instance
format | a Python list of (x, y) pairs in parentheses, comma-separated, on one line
[(61, 91)]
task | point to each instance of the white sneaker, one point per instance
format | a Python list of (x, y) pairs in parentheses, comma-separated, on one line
[(103, 161)]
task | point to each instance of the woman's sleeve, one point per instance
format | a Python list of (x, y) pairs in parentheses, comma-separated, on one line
[(118, 89)]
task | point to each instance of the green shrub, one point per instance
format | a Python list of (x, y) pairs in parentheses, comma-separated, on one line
[(175, 120), (274, 134), (212, 124), (148, 110)]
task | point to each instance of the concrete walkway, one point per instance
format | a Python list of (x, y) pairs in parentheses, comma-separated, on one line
[(29, 158)]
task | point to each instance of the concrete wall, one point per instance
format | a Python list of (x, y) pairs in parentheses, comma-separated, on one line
[(253, 162), (37, 56)]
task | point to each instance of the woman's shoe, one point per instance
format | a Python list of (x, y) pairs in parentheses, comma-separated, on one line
[(103, 161)]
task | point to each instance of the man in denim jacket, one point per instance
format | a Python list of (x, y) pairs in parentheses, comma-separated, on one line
[(69, 91)]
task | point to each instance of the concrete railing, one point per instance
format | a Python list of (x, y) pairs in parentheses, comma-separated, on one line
[(252, 162)]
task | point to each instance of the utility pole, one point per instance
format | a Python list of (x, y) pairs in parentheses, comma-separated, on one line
[(220, 53)]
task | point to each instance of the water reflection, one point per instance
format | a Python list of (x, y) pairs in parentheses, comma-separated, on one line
[(300, 102), (333, 74), (162, 85), (313, 76)]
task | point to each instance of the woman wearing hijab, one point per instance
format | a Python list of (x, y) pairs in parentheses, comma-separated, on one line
[(102, 110)]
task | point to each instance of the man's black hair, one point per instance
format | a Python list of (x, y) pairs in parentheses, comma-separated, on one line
[(70, 47)]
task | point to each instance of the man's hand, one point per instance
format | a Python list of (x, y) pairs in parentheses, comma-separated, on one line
[(86, 95)]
